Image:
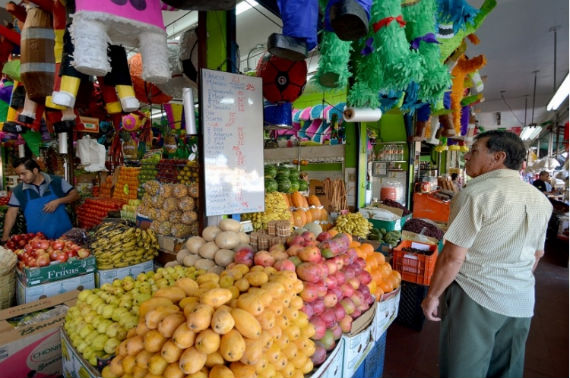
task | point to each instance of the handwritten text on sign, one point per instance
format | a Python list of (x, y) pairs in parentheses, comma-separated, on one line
[(233, 143)]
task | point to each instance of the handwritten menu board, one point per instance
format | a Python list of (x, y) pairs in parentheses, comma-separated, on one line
[(232, 124)]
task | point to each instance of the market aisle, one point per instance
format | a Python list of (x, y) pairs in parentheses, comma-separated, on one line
[(415, 354)]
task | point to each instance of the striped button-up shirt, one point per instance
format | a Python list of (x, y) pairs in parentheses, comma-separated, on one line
[(502, 221)]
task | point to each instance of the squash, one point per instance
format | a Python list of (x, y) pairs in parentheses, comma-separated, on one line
[(224, 257), (287, 201), (208, 250), (227, 239), (194, 243), (308, 216), (324, 215), (229, 225), (297, 199), (315, 214), (299, 218), (314, 200), (210, 232)]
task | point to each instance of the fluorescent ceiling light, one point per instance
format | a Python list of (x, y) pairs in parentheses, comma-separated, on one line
[(531, 132), (245, 5), (560, 95)]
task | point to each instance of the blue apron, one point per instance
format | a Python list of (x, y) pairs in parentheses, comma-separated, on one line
[(53, 225)]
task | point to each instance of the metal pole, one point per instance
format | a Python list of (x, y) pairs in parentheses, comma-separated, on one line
[(533, 97)]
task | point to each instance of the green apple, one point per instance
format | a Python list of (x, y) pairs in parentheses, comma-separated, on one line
[(98, 343), (111, 345)]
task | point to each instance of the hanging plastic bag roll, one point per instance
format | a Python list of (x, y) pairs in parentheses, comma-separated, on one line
[(189, 118), (62, 143), (361, 114)]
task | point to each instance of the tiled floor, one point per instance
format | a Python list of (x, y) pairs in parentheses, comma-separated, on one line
[(415, 354)]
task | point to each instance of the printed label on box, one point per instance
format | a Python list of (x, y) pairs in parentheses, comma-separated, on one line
[(109, 275)]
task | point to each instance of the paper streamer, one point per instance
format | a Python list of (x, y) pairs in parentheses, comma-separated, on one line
[(189, 118), (361, 114), (62, 143)]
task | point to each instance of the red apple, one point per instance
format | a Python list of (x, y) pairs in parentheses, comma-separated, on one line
[(295, 240), (330, 300), (364, 277), (43, 259), (309, 293), (330, 282), (61, 256), (328, 317), (346, 323), (310, 254), (309, 272), (308, 309), (357, 312), (347, 290), (339, 312), (348, 305), (339, 277), (336, 330), (320, 327), (285, 265), (308, 236), (318, 306), (44, 244), (325, 235), (331, 266), (244, 256), (320, 354), (57, 244), (352, 255), (294, 249), (53, 254)]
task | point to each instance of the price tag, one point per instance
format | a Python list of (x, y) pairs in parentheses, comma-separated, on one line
[(246, 226), (420, 246)]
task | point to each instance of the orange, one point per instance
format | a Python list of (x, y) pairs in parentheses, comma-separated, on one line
[(380, 259), (396, 278), (386, 269), (386, 286), (354, 244), (371, 262), (367, 248), (333, 231)]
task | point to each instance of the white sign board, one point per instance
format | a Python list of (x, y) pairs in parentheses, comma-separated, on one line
[(232, 124)]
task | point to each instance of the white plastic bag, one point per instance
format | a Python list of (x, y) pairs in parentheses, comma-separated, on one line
[(92, 154)]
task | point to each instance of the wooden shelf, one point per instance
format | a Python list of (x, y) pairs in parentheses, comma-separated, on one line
[(309, 153)]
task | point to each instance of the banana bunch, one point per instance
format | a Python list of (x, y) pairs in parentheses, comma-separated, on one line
[(275, 209), (353, 224), (117, 245)]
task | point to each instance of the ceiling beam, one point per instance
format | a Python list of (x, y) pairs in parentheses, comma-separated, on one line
[(270, 5)]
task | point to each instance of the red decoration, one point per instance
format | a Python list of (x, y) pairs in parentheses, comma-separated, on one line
[(283, 80)]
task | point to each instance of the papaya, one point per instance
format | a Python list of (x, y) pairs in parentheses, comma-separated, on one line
[(216, 297)]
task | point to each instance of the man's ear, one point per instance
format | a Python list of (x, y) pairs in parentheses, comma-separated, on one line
[(500, 157)]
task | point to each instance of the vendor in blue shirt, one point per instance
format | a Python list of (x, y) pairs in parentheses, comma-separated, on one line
[(42, 198)]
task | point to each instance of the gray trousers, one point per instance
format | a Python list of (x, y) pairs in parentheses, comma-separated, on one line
[(476, 342)]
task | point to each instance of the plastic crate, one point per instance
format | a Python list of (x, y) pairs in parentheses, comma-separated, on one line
[(414, 267), (410, 312)]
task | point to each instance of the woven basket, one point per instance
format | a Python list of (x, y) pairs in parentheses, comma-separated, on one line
[(7, 289)]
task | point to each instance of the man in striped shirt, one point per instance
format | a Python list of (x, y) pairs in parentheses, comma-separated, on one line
[(484, 274)]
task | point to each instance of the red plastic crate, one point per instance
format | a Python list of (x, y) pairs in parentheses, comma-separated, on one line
[(414, 267)]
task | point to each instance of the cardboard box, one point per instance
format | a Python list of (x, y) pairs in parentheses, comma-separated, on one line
[(70, 268), (375, 216), (109, 275), (386, 313), (332, 367), (36, 346), (356, 348), (170, 243), (74, 366), (363, 321), (27, 294)]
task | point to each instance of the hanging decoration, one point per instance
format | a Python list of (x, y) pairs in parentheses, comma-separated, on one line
[(463, 67)]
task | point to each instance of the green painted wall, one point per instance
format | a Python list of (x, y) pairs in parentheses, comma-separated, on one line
[(322, 167), (312, 98), (362, 166)]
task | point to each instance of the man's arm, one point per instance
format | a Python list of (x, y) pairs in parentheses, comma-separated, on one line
[(446, 268), (72, 196), (9, 221), (537, 256)]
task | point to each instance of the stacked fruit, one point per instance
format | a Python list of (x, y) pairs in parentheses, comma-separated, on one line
[(276, 208), (127, 183), (216, 248), (94, 210), (106, 187), (353, 224), (189, 174), (240, 324), (335, 283), (129, 210), (19, 241), (148, 171), (40, 252), (171, 207), (101, 318), (117, 245), (307, 210), (384, 279)]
